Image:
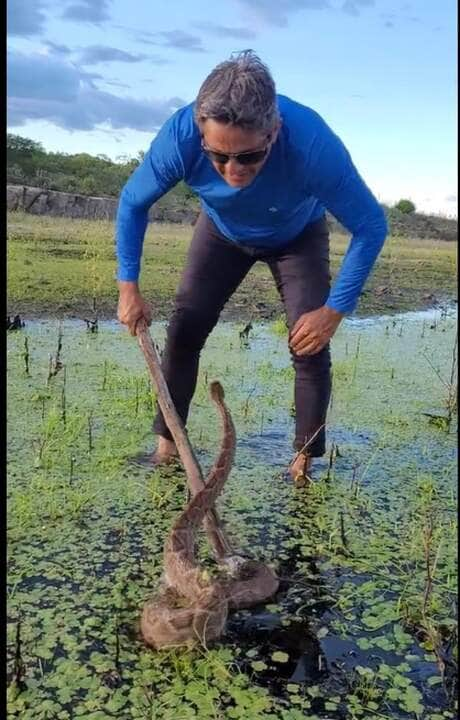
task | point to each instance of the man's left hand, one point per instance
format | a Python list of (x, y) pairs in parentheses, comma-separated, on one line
[(313, 330)]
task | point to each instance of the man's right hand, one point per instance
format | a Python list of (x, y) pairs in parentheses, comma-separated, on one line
[(132, 306)]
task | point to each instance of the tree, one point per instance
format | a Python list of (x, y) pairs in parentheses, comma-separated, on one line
[(405, 206), (30, 164), (25, 154), (22, 146)]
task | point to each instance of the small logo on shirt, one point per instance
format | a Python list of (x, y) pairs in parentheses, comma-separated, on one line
[(273, 209)]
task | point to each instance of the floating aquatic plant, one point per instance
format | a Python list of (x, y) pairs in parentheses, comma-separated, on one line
[(366, 554)]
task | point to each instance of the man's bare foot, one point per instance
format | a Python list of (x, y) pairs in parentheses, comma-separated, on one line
[(165, 454), (299, 470)]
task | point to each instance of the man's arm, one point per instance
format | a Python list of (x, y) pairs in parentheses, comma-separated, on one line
[(160, 170), (334, 180), (337, 184)]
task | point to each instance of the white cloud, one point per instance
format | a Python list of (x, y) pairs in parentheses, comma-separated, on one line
[(239, 33), (25, 18), (92, 11), (95, 54), (45, 88), (277, 12)]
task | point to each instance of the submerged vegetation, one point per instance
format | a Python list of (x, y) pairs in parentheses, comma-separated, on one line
[(364, 624)]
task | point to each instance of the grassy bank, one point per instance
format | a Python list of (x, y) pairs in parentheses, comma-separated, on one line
[(56, 266)]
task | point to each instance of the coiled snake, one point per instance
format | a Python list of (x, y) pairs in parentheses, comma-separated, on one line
[(191, 609)]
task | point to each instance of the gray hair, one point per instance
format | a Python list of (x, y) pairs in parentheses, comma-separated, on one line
[(239, 91)]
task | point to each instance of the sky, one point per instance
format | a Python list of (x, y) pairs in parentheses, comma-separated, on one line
[(101, 76)]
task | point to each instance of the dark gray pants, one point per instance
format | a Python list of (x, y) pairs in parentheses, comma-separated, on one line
[(215, 268)]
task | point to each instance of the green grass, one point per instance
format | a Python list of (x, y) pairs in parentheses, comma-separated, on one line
[(57, 266)]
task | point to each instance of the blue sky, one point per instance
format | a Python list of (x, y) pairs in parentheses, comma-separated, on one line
[(101, 76)]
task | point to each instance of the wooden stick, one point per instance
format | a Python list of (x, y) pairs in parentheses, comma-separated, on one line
[(216, 534)]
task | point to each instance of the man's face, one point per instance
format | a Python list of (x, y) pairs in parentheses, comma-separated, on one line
[(231, 139)]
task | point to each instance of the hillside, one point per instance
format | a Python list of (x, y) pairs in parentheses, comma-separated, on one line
[(414, 225)]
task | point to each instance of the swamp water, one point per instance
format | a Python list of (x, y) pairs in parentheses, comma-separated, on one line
[(364, 623)]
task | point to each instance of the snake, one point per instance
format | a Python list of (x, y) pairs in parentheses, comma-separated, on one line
[(192, 608)]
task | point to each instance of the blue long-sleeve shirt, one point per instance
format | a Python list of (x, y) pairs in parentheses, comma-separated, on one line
[(308, 170)]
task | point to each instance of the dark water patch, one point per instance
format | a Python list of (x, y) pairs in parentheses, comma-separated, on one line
[(284, 655), (34, 582)]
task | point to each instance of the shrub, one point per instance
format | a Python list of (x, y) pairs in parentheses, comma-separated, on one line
[(405, 206)]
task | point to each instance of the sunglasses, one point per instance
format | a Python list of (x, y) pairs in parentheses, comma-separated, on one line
[(245, 158)]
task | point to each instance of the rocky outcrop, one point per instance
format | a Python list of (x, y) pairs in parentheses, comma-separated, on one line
[(40, 201)]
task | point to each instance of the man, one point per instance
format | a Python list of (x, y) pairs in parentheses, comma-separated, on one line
[(265, 169)]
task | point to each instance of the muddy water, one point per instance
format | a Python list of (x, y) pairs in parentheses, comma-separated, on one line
[(86, 525)]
